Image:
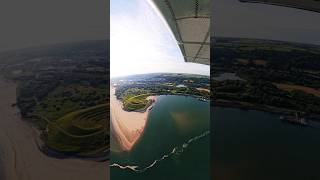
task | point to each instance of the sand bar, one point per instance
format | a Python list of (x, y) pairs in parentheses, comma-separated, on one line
[(128, 126)]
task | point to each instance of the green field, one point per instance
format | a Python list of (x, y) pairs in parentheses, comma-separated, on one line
[(134, 95), (66, 99), (135, 103), (281, 75), (74, 119), (83, 132), (136, 99), (62, 90)]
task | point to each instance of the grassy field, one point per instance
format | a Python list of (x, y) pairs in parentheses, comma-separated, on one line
[(135, 99), (62, 90), (136, 103), (64, 100), (75, 118), (203, 89), (288, 87), (83, 132), (283, 75)]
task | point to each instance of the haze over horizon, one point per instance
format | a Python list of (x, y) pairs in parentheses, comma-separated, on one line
[(43, 22), (262, 21), (141, 42)]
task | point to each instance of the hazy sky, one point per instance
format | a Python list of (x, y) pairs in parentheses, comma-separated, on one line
[(142, 43), (34, 22), (233, 18)]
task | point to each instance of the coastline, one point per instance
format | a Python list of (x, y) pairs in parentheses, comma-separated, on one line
[(128, 126), (20, 153), (50, 152), (264, 108), (62, 155)]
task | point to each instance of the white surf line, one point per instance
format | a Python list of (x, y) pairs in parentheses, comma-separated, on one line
[(176, 150)]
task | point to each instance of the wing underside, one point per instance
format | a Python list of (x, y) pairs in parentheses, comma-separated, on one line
[(310, 5), (189, 20)]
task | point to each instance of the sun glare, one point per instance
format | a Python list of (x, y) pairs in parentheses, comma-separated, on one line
[(142, 43)]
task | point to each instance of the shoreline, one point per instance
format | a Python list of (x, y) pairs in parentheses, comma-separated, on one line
[(62, 155), (21, 156), (50, 152), (127, 125), (270, 109), (45, 149)]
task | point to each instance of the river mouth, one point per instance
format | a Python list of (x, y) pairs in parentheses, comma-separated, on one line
[(175, 141)]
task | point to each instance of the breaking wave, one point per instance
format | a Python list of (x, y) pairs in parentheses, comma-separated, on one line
[(175, 151)]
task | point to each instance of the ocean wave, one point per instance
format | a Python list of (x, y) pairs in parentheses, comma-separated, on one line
[(175, 151)]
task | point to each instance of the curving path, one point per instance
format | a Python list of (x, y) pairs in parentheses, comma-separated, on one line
[(20, 157)]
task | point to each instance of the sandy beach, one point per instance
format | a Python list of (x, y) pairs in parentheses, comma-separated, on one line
[(20, 157), (127, 126)]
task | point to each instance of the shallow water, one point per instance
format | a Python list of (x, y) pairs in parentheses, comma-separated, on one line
[(174, 145)]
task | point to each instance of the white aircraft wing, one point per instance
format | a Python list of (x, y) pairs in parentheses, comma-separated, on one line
[(189, 20)]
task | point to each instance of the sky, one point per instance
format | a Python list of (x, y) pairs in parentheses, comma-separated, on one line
[(140, 42), (252, 20), (40, 22)]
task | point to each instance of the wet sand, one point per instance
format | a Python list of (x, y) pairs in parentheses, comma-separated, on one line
[(127, 126), (20, 157)]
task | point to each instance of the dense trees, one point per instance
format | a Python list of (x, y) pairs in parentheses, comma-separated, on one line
[(262, 64), (163, 84)]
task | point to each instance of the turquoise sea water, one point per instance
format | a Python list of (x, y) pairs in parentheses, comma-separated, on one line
[(175, 143)]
